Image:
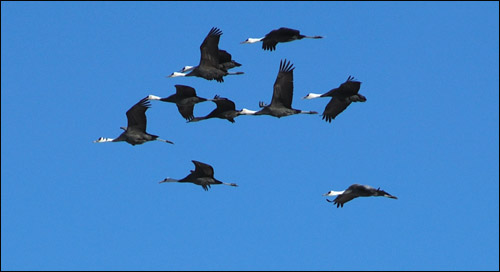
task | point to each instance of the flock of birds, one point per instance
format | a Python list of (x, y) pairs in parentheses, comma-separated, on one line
[(214, 65)]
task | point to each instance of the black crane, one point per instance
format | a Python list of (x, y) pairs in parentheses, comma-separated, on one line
[(203, 175), (281, 103), (226, 109), (209, 68), (185, 98), (354, 191), (226, 62), (342, 97), (135, 132), (280, 35)]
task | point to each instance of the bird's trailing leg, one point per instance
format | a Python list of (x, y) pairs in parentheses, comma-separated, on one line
[(308, 112), (166, 141), (234, 73)]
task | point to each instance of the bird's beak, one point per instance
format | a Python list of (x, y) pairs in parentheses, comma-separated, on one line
[(165, 180), (392, 197)]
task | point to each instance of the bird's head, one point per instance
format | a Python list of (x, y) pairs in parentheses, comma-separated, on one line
[(333, 193), (103, 140), (250, 40), (168, 180), (153, 97), (186, 68), (247, 112), (311, 96), (176, 74)]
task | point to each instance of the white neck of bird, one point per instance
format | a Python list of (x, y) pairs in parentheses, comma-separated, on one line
[(153, 97), (247, 112), (311, 96), (177, 74), (169, 180), (334, 193), (253, 40), (103, 140)]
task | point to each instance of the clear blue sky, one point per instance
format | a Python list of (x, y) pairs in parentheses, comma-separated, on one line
[(428, 134)]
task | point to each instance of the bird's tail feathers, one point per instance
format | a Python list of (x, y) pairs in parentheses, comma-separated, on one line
[(357, 98)]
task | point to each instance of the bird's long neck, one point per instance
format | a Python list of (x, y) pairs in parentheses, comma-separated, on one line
[(196, 119), (334, 193), (254, 40), (153, 97), (103, 140), (177, 74), (169, 180), (247, 112), (311, 96)]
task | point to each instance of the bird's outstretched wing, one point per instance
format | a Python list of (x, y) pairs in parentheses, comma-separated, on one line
[(224, 104), (334, 108), (343, 198), (283, 86), (184, 91), (136, 115), (186, 111), (350, 87), (203, 169), (210, 48)]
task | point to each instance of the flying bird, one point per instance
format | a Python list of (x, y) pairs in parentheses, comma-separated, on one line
[(226, 62), (135, 132), (341, 98), (209, 66), (281, 102), (185, 98), (226, 109), (203, 174), (280, 35), (354, 191)]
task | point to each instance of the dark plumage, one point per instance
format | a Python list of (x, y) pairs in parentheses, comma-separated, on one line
[(208, 68), (280, 35), (342, 97), (135, 132), (356, 190), (184, 98), (226, 109), (281, 102), (203, 175), (226, 62)]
